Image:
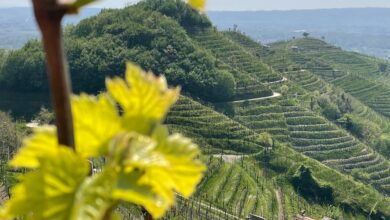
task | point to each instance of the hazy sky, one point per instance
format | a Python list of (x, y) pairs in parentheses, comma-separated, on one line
[(246, 4)]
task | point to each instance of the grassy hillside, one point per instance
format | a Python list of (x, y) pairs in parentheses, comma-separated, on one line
[(279, 131), (357, 74), (214, 131), (240, 182), (317, 77)]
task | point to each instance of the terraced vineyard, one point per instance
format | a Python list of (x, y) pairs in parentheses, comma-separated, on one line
[(307, 80), (279, 61), (304, 70), (213, 131), (233, 189), (337, 58), (356, 74), (316, 137), (242, 186), (255, 73), (267, 54), (264, 117), (373, 94)]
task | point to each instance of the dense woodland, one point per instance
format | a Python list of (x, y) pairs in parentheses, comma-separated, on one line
[(98, 47), (283, 128)]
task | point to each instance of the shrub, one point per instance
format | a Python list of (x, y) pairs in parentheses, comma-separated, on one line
[(305, 184), (383, 145), (331, 112), (284, 90), (45, 116), (360, 127), (266, 140), (382, 67)]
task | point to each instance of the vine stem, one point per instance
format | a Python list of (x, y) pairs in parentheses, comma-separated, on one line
[(49, 16)]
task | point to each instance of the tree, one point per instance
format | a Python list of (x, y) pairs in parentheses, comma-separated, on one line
[(382, 67), (284, 90), (96, 50), (306, 34), (328, 109), (331, 112), (308, 186), (267, 141), (235, 27), (45, 117)]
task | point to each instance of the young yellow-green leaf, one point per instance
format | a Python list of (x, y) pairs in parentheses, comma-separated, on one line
[(81, 3), (139, 151), (93, 199), (96, 122), (131, 189), (197, 4), (146, 161), (132, 150), (43, 143), (184, 171), (73, 6), (134, 154), (49, 192), (143, 97)]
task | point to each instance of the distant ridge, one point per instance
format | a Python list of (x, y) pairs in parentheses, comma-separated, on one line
[(364, 30), (18, 26)]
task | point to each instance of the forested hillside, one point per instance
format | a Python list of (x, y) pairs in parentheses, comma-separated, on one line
[(300, 126)]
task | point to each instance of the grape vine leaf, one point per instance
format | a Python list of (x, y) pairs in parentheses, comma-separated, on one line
[(144, 98), (197, 4), (139, 153), (96, 122), (49, 192)]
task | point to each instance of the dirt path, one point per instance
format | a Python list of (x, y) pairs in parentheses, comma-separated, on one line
[(204, 205), (275, 95), (228, 158), (280, 204), (231, 158), (32, 124), (284, 79)]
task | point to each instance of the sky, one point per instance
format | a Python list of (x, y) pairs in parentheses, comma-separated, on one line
[(240, 5)]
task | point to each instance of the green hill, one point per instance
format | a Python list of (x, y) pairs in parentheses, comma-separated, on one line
[(98, 47), (300, 125)]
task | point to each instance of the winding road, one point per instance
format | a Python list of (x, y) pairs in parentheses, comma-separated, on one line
[(275, 95), (284, 79)]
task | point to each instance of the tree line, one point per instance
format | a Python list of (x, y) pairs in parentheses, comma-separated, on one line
[(99, 46)]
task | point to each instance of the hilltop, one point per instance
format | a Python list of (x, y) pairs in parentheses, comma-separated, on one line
[(280, 126)]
